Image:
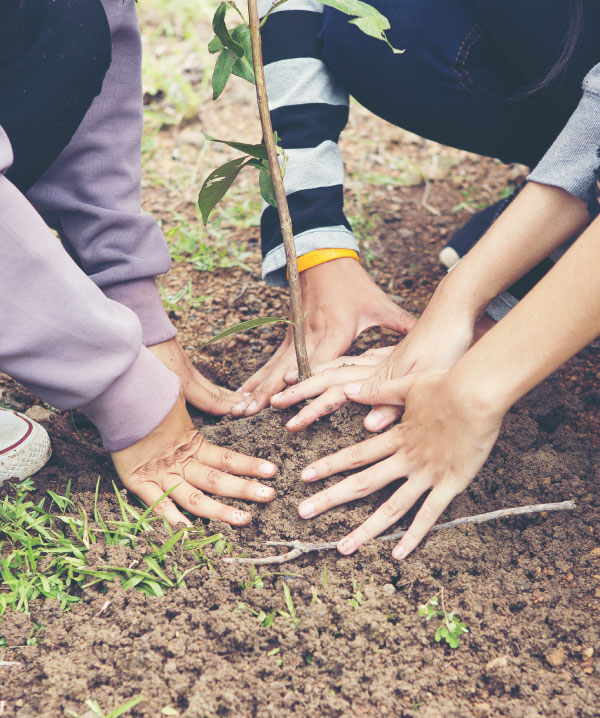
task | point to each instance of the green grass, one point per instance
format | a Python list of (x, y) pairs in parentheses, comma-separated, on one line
[(205, 248), (43, 554), (96, 710)]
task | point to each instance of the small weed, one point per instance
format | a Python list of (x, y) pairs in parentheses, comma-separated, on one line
[(185, 296), (472, 201), (95, 709), (451, 628), (357, 599), (290, 614), (275, 652), (206, 249)]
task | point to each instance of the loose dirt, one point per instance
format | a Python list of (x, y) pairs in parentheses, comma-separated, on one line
[(527, 588)]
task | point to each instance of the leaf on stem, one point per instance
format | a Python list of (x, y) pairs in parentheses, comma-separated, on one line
[(245, 326), (367, 18), (217, 184), (258, 151)]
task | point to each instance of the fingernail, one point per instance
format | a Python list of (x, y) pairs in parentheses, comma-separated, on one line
[(252, 406), (264, 492), (290, 375), (308, 473), (293, 422), (346, 545), (267, 468), (307, 510), (239, 407), (352, 389), (276, 397), (399, 552), (239, 517), (374, 420)]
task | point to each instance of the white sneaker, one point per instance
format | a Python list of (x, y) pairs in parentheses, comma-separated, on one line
[(24, 446)]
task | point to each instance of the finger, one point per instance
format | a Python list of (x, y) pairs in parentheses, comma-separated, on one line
[(352, 457), (210, 398), (197, 503), (369, 358), (232, 462), (150, 492), (433, 507), (381, 416), (318, 383), (389, 391), (399, 320), (385, 516), (323, 405), (259, 377), (354, 487), (222, 484)]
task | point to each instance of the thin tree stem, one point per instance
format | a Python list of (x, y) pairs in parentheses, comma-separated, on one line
[(278, 187)]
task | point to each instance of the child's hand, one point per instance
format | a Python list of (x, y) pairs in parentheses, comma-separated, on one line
[(443, 440), (176, 455), (438, 340)]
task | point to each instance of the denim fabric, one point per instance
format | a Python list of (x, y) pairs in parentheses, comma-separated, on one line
[(466, 69), (53, 59)]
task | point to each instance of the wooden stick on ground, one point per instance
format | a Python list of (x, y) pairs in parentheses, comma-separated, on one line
[(300, 547)]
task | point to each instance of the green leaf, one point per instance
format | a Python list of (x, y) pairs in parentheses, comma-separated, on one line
[(288, 600), (221, 31), (222, 71), (367, 18), (266, 185), (127, 706), (245, 326), (217, 184), (243, 67), (258, 151), (215, 45)]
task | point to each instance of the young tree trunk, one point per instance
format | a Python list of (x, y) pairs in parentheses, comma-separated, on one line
[(282, 205)]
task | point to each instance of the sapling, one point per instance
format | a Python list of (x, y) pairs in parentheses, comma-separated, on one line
[(239, 53), (451, 628)]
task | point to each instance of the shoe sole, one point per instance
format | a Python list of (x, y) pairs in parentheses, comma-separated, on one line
[(449, 257), (28, 455)]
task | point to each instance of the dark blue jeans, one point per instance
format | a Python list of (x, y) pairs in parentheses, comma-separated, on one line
[(53, 59), (466, 69)]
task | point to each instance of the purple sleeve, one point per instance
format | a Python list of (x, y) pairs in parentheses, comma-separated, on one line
[(64, 339), (91, 193)]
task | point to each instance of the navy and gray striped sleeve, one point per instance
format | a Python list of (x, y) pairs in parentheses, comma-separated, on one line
[(309, 109)]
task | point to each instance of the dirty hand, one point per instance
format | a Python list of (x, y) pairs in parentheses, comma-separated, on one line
[(340, 301), (176, 455), (197, 389), (445, 436), (439, 339)]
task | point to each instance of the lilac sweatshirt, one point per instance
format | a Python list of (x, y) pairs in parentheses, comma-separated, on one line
[(76, 338)]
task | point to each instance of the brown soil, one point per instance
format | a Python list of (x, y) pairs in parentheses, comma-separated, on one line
[(528, 588)]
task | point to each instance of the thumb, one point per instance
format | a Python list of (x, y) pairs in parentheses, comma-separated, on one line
[(389, 391), (396, 318)]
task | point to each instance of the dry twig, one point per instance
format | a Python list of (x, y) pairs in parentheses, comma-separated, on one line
[(300, 547)]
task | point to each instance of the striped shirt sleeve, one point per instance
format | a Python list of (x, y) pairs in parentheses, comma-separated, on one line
[(309, 109)]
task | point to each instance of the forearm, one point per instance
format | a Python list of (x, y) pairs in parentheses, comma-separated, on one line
[(309, 109), (65, 341), (554, 321), (539, 220), (92, 192)]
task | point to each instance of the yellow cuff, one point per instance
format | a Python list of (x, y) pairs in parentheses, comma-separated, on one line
[(320, 256)]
